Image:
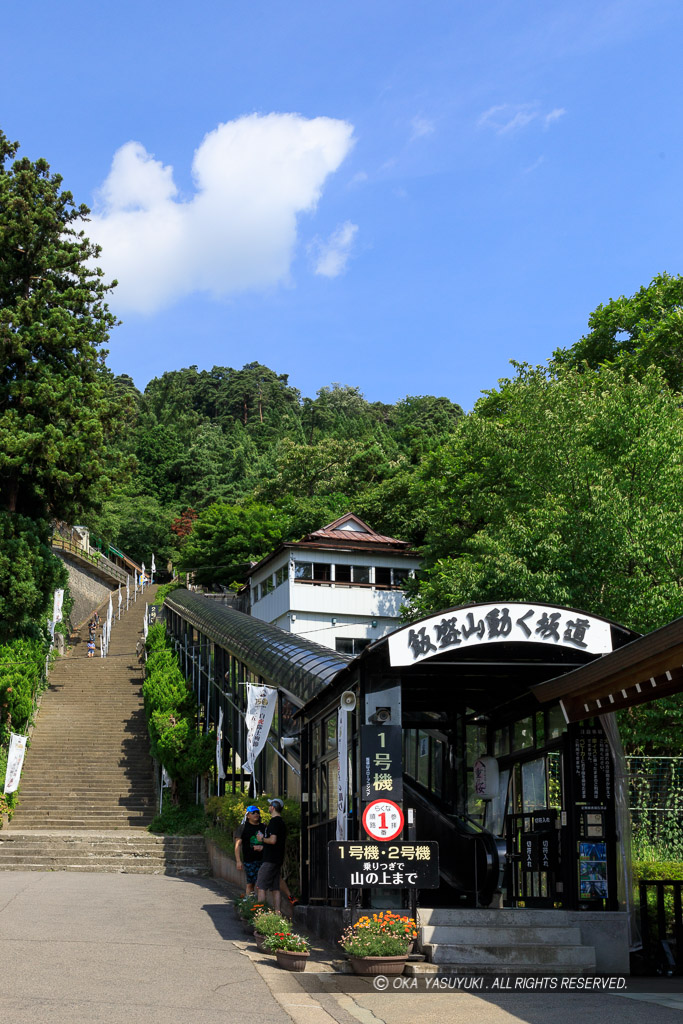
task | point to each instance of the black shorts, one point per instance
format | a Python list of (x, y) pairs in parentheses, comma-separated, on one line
[(269, 877)]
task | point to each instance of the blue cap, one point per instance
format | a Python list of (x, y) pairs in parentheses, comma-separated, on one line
[(251, 808)]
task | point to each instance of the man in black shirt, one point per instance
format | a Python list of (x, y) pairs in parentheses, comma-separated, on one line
[(273, 840), (247, 854)]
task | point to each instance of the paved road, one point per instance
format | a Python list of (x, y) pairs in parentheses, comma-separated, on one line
[(123, 949)]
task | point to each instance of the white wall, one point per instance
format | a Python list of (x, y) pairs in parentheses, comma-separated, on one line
[(307, 608)]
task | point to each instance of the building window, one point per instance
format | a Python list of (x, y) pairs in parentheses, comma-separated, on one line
[(282, 575), (256, 591), (268, 585), (382, 576), (351, 645), (342, 574), (361, 573), (400, 576), (318, 572)]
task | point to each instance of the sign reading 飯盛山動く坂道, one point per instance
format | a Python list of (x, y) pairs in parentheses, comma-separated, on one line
[(499, 623)]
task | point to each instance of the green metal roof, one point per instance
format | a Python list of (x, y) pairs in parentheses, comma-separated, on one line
[(281, 658)]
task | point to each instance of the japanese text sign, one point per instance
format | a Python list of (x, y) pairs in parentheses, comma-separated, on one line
[(381, 755), (366, 864), (490, 623)]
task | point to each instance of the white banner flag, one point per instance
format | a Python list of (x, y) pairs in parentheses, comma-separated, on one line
[(261, 701), (15, 759), (120, 600), (342, 771), (166, 780), (143, 578), (219, 743), (154, 568), (145, 627), (57, 607)]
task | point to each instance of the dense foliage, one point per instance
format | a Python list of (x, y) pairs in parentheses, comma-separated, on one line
[(231, 462), (59, 408), (22, 680), (561, 487), (171, 718)]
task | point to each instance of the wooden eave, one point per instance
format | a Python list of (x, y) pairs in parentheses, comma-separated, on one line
[(637, 673)]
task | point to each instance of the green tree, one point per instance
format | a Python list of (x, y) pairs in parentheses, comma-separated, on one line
[(57, 403), (562, 487), (226, 539), (29, 575), (643, 330)]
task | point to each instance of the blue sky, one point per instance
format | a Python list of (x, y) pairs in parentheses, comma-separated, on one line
[(392, 195)]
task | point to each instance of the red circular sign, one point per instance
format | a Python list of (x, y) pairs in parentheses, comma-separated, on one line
[(383, 819)]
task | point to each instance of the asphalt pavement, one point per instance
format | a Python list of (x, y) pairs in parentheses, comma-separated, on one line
[(86, 948)]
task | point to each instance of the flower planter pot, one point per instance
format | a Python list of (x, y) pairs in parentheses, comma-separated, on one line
[(248, 927), (291, 961), (370, 965), (260, 939)]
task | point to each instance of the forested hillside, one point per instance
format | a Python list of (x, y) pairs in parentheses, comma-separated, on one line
[(260, 463)]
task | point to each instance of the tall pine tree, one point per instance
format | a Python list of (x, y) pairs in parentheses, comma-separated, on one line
[(56, 400)]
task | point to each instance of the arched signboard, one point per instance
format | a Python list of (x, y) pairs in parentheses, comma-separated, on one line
[(477, 625)]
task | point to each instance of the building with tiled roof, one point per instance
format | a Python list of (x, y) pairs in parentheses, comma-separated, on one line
[(342, 585)]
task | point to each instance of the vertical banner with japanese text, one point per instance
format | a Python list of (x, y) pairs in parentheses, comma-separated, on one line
[(261, 701), (15, 760), (220, 770), (343, 771)]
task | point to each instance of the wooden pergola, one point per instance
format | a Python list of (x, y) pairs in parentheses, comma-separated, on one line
[(641, 671)]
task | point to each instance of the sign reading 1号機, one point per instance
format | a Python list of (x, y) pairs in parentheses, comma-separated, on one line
[(381, 755), (364, 865)]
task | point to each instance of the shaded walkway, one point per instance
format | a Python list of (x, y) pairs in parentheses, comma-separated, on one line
[(118, 949)]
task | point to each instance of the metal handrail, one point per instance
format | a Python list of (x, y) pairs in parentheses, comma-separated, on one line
[(99, 560)]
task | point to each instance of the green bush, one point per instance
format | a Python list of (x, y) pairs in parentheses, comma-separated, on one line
[(171, 717), (229, 810), (165, 590), (179, 821), (267, 922)]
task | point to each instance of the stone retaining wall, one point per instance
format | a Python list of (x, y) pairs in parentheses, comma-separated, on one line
[(87, 590)]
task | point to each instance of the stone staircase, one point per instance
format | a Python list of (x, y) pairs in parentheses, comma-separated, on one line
[(131, 851), (87, 789), (506, 941)]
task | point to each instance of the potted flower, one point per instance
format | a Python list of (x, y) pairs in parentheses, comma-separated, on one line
[(267, 923), (292, 951), (248, 908), (374, 946), (392, 924)]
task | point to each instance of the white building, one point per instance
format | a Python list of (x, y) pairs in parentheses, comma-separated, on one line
[(340, 586)]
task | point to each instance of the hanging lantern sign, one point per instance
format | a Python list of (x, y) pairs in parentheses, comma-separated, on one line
[(486, 777)]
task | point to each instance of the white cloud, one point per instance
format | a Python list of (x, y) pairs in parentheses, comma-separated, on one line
[(252, 177), (332, 256), (553, 116), (507, 118), (534, 166), (358, 179), (421, 127)]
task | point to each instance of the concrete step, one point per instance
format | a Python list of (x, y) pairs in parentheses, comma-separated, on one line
[(530, 955), (505, 916), (526, 934), (141, 869)]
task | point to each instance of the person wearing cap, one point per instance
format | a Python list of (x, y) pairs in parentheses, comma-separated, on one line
[(273, 839), (248, 849)]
